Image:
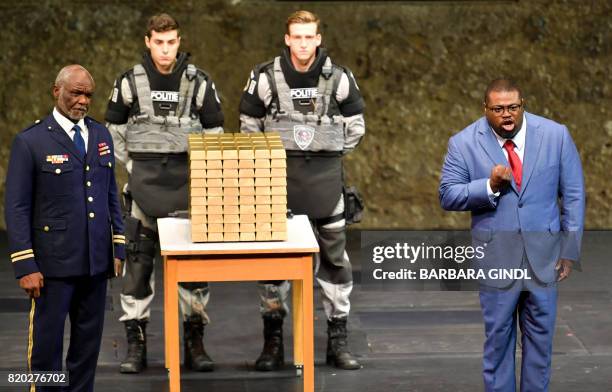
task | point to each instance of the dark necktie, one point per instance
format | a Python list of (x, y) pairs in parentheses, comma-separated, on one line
[(515, 163), (79, 142)]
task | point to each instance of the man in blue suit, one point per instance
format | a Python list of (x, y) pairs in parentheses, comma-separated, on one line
[(520, 177), (64, 227)]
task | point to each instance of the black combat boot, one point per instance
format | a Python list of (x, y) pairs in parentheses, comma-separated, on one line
[(196, 357), (338, 353), (136, 359), (272, 356)]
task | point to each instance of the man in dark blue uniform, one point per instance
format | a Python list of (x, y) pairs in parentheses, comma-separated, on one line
[(64, 227)]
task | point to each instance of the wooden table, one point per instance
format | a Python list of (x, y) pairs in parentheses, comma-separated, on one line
[(185, 261)]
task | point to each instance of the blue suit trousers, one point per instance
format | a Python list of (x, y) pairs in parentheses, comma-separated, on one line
[(534, 306)]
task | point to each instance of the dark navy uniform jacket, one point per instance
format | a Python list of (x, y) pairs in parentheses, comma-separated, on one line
[(63, 214)]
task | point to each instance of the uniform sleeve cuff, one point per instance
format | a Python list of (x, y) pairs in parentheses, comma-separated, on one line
[(119, 251), (119, 246), (25, 267)]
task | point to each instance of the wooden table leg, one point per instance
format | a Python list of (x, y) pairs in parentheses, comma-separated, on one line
[(166, 336), (171, 318), (298, 324), (308, 324)]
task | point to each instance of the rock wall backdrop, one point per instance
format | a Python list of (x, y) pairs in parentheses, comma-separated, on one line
[(422, 67)]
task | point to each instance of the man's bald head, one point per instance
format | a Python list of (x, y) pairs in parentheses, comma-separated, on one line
[(73, 89)]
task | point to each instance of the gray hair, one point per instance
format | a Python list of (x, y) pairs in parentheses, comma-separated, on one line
[(65, 73)]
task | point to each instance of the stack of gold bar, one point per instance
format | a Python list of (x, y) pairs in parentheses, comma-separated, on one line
[(238, 189)]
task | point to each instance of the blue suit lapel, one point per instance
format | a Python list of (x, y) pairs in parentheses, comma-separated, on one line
[(533, 144), (489, 143), (60, 136)]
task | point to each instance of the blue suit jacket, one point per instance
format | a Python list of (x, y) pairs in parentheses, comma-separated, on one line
[(63, 214), (544, 220)]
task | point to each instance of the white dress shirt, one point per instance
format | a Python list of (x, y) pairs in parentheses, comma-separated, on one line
[(67, 125), (519, 148)]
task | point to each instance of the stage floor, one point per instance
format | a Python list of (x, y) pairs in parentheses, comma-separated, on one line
[(407, 341)]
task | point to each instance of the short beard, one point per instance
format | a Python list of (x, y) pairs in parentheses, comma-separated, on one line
[(79, 116)]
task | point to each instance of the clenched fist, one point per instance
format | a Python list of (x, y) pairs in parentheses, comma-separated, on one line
[(501, 176)]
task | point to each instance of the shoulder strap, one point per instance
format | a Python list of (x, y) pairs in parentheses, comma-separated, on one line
[(336, 77), (327, 68), (327, 87), (269, 71), (281, 89), (143, 90), (128, 77), (200, 90), (333, 102), (186, 89), (191, 71)]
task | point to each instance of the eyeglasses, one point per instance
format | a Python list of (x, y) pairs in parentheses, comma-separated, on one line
[(499, 110)]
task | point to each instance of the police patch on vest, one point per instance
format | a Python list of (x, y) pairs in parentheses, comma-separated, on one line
[(303, 135), (252, 84), (165, 96), (304, 93), (114, 94)]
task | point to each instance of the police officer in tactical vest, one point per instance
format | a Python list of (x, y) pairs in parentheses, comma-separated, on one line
[(152, 108), (318, 110)]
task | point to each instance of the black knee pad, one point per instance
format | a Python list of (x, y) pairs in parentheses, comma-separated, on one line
[(332, 243), (140, 258)]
